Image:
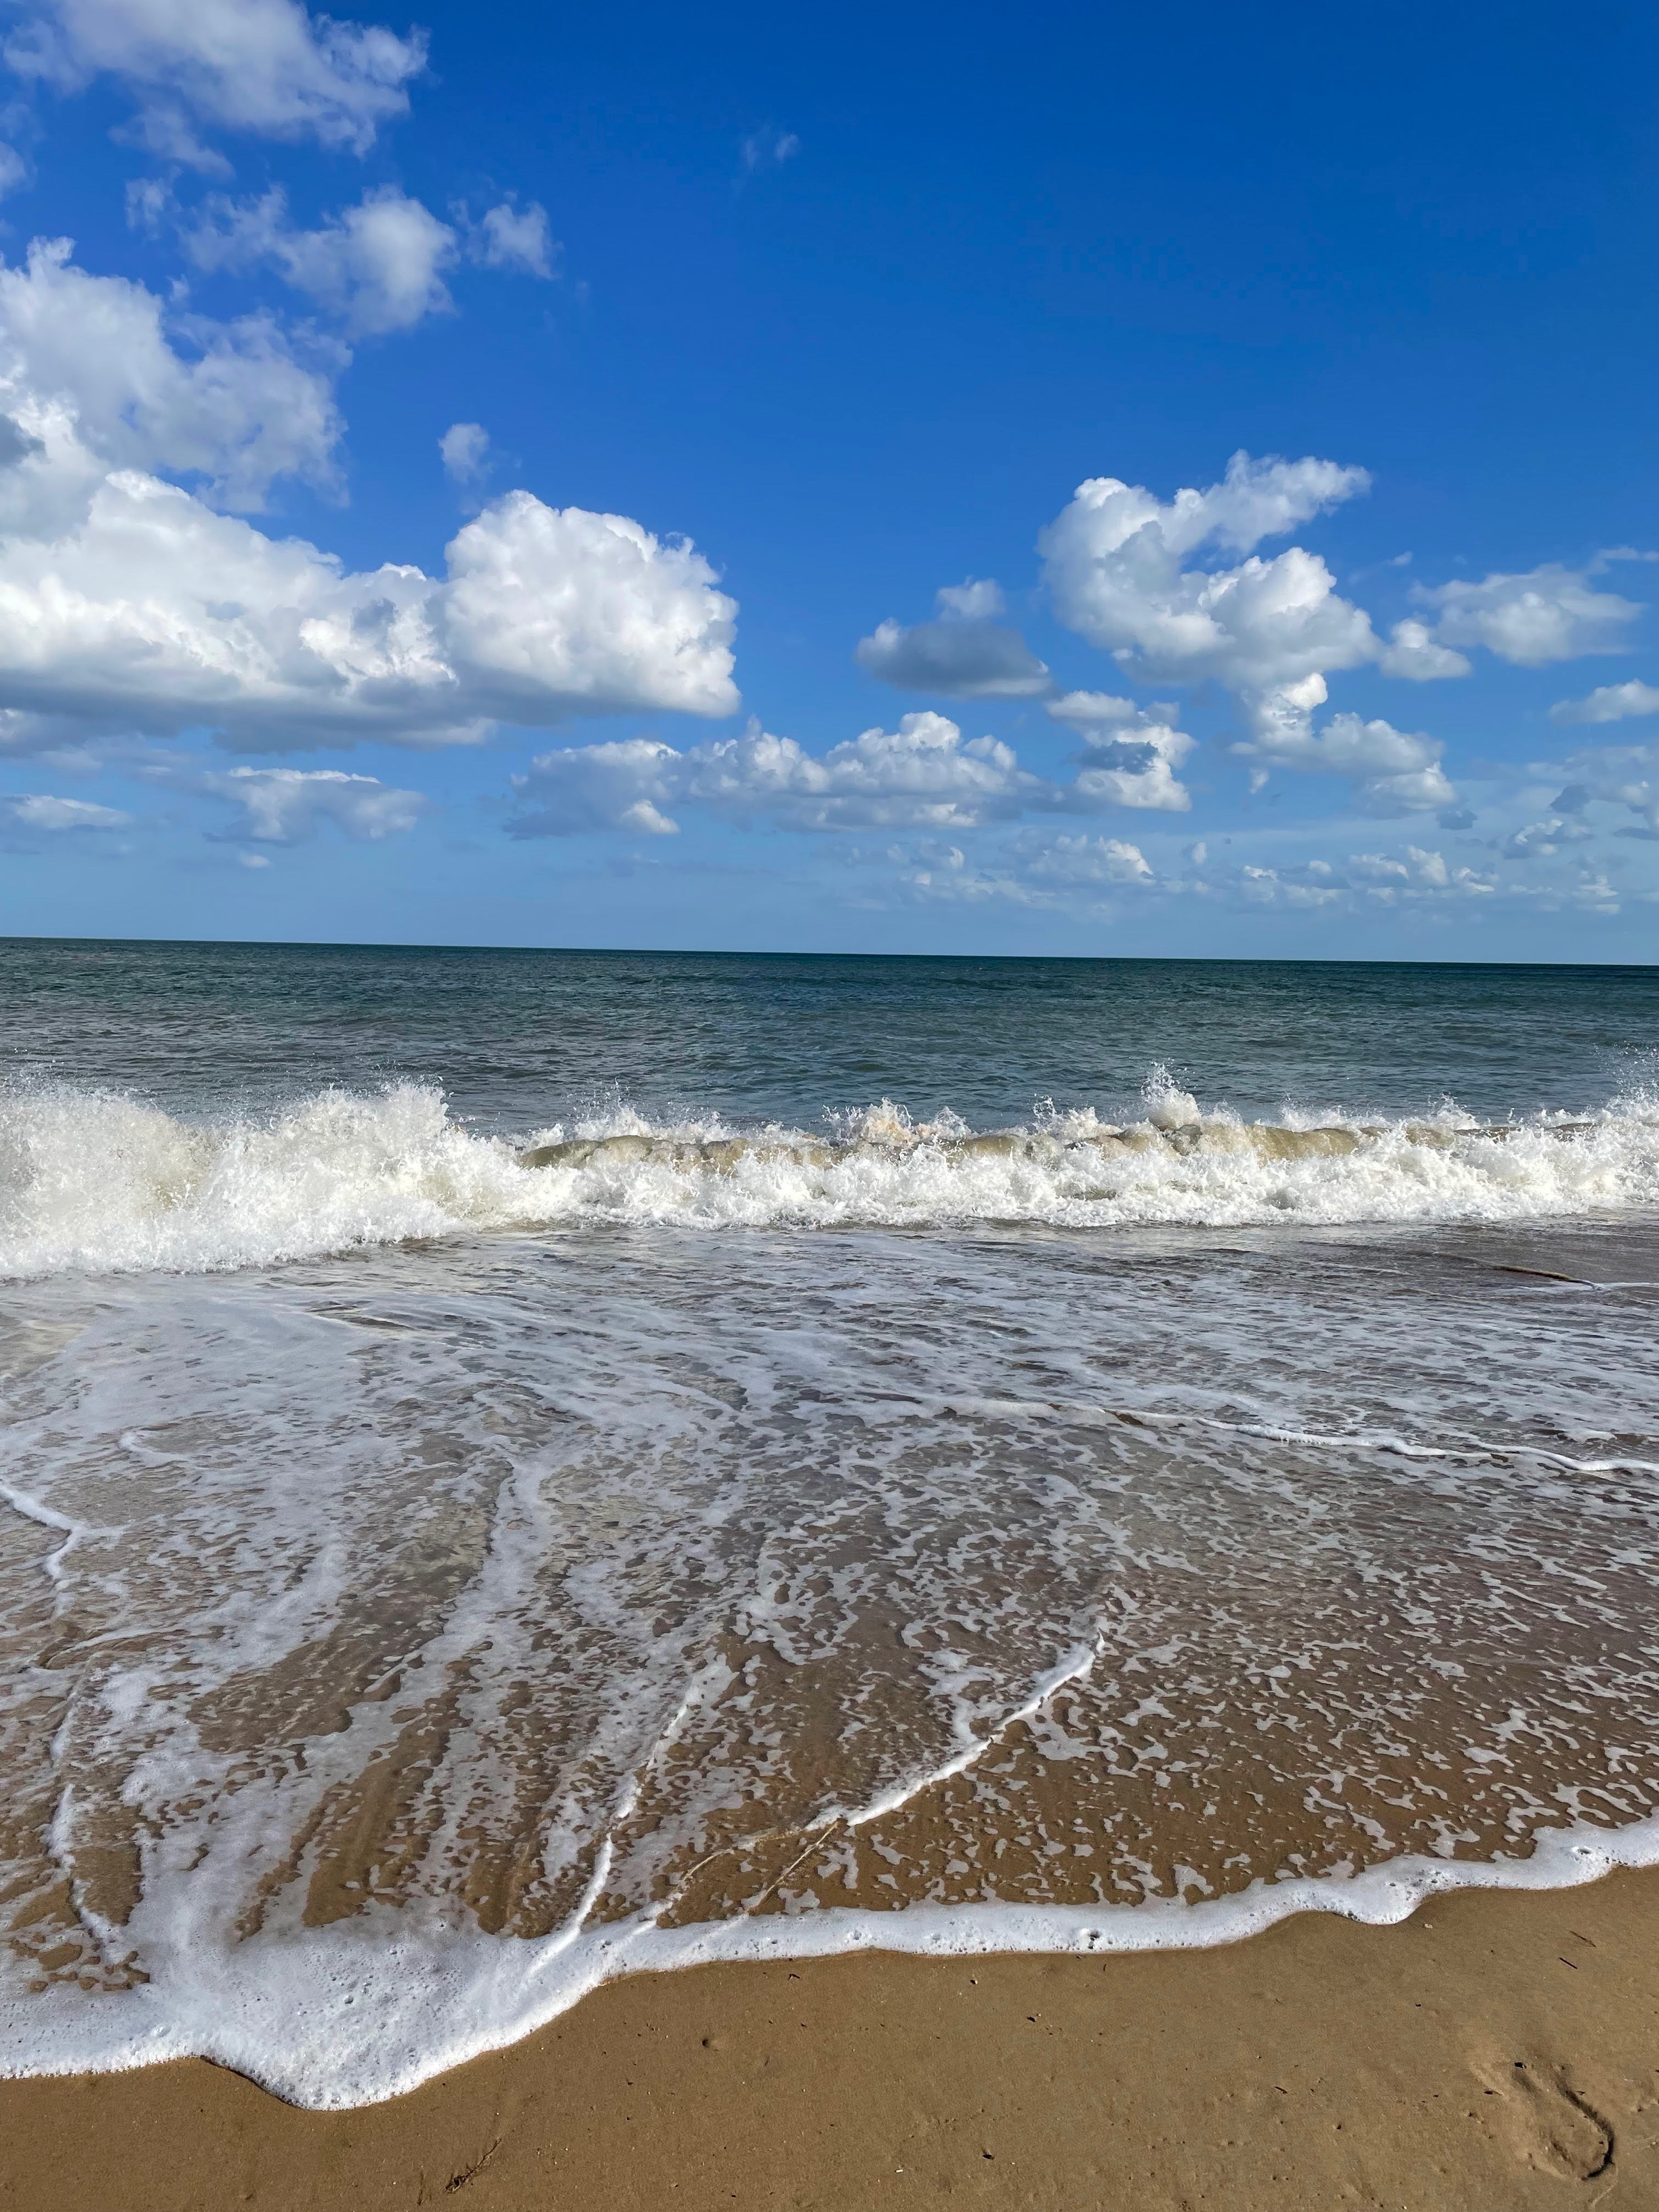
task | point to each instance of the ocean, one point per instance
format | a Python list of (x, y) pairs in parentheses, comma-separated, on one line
[(521, 1467)]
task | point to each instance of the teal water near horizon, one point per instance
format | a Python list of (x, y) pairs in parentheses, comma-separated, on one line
[(515, 1036)]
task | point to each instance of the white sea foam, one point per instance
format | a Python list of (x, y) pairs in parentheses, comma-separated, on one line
[(1141, 1522), (338, 2017), (99, 1182)]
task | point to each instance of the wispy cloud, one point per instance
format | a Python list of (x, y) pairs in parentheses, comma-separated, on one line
[(767, 148)]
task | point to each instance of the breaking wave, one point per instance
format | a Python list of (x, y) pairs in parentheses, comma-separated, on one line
[(99, 1182)]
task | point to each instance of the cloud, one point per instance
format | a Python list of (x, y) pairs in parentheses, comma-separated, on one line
[(1544, 840), (1081, 873), (128, 604), (29, 736), (1413, 652), (1091, 860), (1609, 702), (287, 806), (947, 878), (511, 237), (1396, 772), (1132, 752), (921, 776), (547, 605), (264, 66), (1113, 561), (627, 783), (237, 410), (1028, 874), (150, 201), (1414, 877), (1124, 570), (965, 654), (1614, 775), (377, 266), (961, 661), (40, 811), (465, 450), (154, 614), (1550, 613), (976, 598), (769, 149), (922, 773)]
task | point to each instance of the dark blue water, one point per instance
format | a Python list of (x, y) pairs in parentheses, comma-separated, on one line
[(517, 1038)]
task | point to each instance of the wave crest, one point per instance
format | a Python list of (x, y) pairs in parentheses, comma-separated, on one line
[(101, 1182)]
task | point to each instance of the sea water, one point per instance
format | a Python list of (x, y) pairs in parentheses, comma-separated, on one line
[(520, 1467)]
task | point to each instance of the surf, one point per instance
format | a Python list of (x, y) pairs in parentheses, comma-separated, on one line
[(98, 1182)]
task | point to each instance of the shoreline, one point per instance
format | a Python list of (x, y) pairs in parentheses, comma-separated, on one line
[(1499, 2047), (335, 1985)]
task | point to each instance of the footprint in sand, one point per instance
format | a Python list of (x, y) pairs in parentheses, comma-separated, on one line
[(1550, 2126)]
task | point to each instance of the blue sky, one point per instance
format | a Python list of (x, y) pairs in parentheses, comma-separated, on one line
[(909, 480)]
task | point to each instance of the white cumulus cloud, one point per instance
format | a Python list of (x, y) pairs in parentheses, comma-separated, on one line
[(286, 805), (976, 598), (1132, 752), (465, 447), (1618, 776), (378, 266), (546, 604), (921, 776), (153, 613), (1543, 839), (1087, 861), (1609, 702), (236, 408), (624, 783), (1412, 651), (1120, 566), (1060, 871), (965, 654), (1396, 771), (264, 66), (128, 604), (1151, 583), (512, 237), (1415, 876), (1550, 613)]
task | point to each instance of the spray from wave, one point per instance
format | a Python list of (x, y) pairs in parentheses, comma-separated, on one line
[(99, 1182)]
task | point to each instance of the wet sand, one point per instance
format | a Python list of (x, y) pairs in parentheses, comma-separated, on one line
[(1499, 2049)]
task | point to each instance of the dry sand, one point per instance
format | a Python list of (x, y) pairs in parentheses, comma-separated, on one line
[(1498, 2050)]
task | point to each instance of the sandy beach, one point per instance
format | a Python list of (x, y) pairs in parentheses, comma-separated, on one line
[(1498, 2050)]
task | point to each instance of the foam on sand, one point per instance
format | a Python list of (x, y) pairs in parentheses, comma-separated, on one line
[(336, 2018)]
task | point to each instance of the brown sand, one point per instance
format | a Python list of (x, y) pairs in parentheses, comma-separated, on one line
[(1499, 2049)]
